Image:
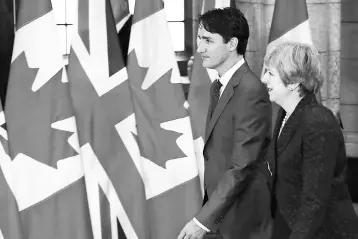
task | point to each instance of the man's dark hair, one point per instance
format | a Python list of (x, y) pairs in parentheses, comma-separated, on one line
[(228, 22)]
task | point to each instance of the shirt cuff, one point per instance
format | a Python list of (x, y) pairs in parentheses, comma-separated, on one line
[(200, 225)]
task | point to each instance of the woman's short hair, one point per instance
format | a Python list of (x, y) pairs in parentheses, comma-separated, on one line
[(296, 63)]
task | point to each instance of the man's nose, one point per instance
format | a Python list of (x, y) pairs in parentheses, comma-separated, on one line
[(200, 47)]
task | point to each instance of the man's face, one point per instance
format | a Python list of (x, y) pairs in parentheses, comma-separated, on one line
[(212, 48)]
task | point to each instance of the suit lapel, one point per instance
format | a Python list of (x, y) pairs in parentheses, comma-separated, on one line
[(273, 151), (292, 122), (224, 99)]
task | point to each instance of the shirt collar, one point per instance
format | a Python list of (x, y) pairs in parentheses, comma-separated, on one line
[(224, 79)]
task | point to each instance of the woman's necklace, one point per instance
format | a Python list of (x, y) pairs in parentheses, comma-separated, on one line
[(285, 119), (284, 122)]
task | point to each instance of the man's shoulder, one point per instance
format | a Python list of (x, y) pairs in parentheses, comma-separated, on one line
[(251, 79), (249, 82), (245, 75)]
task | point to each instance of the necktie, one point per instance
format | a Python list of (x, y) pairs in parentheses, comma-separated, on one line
[(215, 95)]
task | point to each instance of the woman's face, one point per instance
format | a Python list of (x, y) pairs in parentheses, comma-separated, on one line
[(278, 92)]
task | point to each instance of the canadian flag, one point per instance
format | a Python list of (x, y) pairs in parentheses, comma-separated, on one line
[(43, 161), (10, 225), (164, 134)]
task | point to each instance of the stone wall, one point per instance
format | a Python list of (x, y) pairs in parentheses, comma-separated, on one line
[(349, 75), (192, 10)]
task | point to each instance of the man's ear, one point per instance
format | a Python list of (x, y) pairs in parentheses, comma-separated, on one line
[(233, 43)]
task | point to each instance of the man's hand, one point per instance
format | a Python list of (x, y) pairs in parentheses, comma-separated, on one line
[(190, 66), (191, 231)]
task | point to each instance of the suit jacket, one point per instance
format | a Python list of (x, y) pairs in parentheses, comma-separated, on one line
[(308, 162), (239, 129)]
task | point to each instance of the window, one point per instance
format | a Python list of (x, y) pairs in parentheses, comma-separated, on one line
[(174, 10)]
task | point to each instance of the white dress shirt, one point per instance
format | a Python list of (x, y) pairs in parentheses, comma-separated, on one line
[(224, 80)]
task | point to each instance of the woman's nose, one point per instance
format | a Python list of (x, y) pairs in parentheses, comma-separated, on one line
[(264, 78)]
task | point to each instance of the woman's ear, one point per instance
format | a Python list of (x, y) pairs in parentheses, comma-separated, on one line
[(293, 86)]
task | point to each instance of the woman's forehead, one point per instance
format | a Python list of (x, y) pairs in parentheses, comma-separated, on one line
[(270, 66)]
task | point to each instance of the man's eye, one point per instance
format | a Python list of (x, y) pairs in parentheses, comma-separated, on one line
[(207, 41)]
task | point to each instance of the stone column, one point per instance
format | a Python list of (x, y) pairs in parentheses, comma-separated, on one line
[(192, 10), (325, 22), (349, 75), (259, 15)]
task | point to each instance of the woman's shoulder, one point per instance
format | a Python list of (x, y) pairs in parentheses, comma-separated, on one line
[(319, 116)]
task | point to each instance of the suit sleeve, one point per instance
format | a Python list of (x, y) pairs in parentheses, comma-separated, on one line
[(252, 127), (320, 148)]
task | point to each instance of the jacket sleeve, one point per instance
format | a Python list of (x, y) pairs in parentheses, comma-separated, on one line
[(320, 148), (252, 129)]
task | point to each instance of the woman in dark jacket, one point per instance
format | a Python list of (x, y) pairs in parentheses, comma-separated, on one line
[(307, 157)]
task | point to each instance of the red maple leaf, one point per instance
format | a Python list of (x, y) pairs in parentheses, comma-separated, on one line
[(32, 113), (161, 102)]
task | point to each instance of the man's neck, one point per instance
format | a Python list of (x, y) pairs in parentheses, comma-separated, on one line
[(228, 64)]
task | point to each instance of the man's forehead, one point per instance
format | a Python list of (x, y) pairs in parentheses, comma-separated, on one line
[(203, 32)]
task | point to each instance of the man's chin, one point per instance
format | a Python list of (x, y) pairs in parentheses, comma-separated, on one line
[(206, 65)]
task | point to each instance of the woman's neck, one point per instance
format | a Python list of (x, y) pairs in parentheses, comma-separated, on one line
[(289, 105)]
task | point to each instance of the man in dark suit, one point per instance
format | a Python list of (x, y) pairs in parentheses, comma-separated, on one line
[(237, 200)]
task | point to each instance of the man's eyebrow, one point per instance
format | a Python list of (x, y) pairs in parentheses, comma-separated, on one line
[(205, 37)]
